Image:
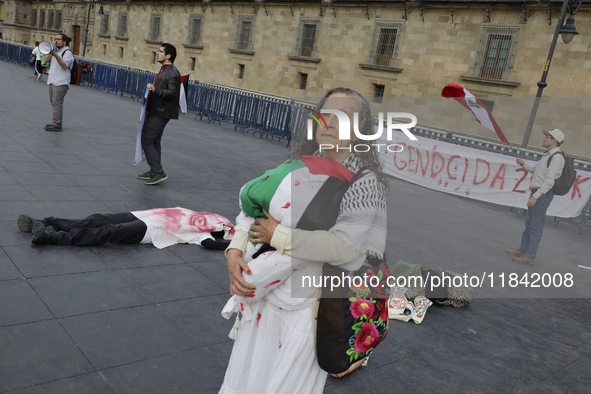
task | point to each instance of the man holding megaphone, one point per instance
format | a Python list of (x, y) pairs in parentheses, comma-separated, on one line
[(62, 60)]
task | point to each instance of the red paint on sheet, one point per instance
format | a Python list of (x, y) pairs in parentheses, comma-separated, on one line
[(242, 306), (286, 205), (258, 319), (272, 283), (280, 344)]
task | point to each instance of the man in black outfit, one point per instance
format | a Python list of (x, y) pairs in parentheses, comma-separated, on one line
[(163, 105)]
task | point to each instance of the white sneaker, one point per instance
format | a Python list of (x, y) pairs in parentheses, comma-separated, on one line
[(39, 77)]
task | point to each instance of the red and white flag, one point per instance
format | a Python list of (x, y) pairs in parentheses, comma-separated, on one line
[(467, 99)]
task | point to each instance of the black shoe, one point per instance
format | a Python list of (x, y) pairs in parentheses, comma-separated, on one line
[(45, 236), (53, 128), (145, 176), (156, 178), (28, 224)]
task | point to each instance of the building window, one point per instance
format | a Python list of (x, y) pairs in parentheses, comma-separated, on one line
[(496, 52), (193, 61), (58, 20), (378, 93), (194, 30), (488, 104), (154, 27), (50, 16), (244, 33), (384, 43), (241, 71), (42, 19), (121, 52), (34, 18), (122, 25), (303, 81), (307, 37), (104, 28), (153, 57)]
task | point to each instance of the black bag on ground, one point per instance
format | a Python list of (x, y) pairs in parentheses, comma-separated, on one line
[(565, 181)]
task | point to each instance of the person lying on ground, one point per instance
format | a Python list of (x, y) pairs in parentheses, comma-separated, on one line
[(160, 226)]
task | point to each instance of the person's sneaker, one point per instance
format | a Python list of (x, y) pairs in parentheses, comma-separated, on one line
[(28, 224), (39, 77), (523, 260), (49, 125), (145, 176), (45, 236), (157, 178), (53, 128), (514, 252)]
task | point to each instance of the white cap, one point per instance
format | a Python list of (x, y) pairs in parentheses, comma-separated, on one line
[(557, 134)]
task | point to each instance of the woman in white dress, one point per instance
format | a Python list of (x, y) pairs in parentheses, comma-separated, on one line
[(274, 350)]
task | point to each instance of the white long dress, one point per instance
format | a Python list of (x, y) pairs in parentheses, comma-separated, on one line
[(274, 351)]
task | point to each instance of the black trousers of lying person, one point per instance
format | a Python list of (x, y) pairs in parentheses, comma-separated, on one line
[(96, 229)]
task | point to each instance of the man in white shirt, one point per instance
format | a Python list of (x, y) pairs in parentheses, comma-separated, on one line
[(37, 54), (62, 60), (545, 174)]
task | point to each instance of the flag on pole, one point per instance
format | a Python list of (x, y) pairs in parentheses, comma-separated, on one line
[(467, 99)]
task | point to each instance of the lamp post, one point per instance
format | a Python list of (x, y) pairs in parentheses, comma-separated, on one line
[(100, 12), (568, 31)]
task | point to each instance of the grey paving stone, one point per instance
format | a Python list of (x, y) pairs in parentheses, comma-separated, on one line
[(170, 282), (19, 292), (463, 362), (197, 254), (574, 378), (90, 383), (117, 256), (42, 260), (15, 193), (72, 294), (36, 179), (182, 312), (7, 268), (127, 335), (216, 270), (59, 193), (189, 372), (37, 353)]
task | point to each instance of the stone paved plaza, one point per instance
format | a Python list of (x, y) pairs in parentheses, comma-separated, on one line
[(134, 319)]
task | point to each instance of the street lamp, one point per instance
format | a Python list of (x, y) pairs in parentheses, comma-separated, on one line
[(568, 31), (100, 12)]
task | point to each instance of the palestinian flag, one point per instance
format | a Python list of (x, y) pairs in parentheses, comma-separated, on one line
[(305, 192), (184, 92)]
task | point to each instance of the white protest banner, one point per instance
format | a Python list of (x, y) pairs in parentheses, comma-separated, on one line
[(473, 173)]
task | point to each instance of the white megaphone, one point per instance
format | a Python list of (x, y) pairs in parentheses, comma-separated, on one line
[(44, 47)]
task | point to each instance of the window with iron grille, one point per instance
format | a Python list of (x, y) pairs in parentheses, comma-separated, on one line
[(303, 81), (378, 93), (244, 31), (194, 30), (58, 20), (42, 19), (155, 21), (122, 24), (50, 16), (104, 28), (496, 52), (307, 38), (384, 43), (34, 18)]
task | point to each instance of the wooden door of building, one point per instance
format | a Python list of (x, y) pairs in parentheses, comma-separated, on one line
[(76, 44)]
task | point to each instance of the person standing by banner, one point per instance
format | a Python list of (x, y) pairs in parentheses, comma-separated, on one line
[(545, 174), (37, 54), (163, 105), (62, 60)]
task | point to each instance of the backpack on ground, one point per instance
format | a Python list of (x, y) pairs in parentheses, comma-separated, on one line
[(565, 181)]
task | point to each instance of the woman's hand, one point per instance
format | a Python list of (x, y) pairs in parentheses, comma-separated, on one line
[(263, 232), (236, 265)]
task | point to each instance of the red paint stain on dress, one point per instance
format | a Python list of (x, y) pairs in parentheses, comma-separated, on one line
[(258, 319), (286, 205), (242, 307), (280, 344), (272, 283)]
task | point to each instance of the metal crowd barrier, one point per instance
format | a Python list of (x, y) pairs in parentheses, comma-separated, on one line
[(580, 220)]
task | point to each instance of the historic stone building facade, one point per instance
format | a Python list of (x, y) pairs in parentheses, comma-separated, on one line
[(403, 50)]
